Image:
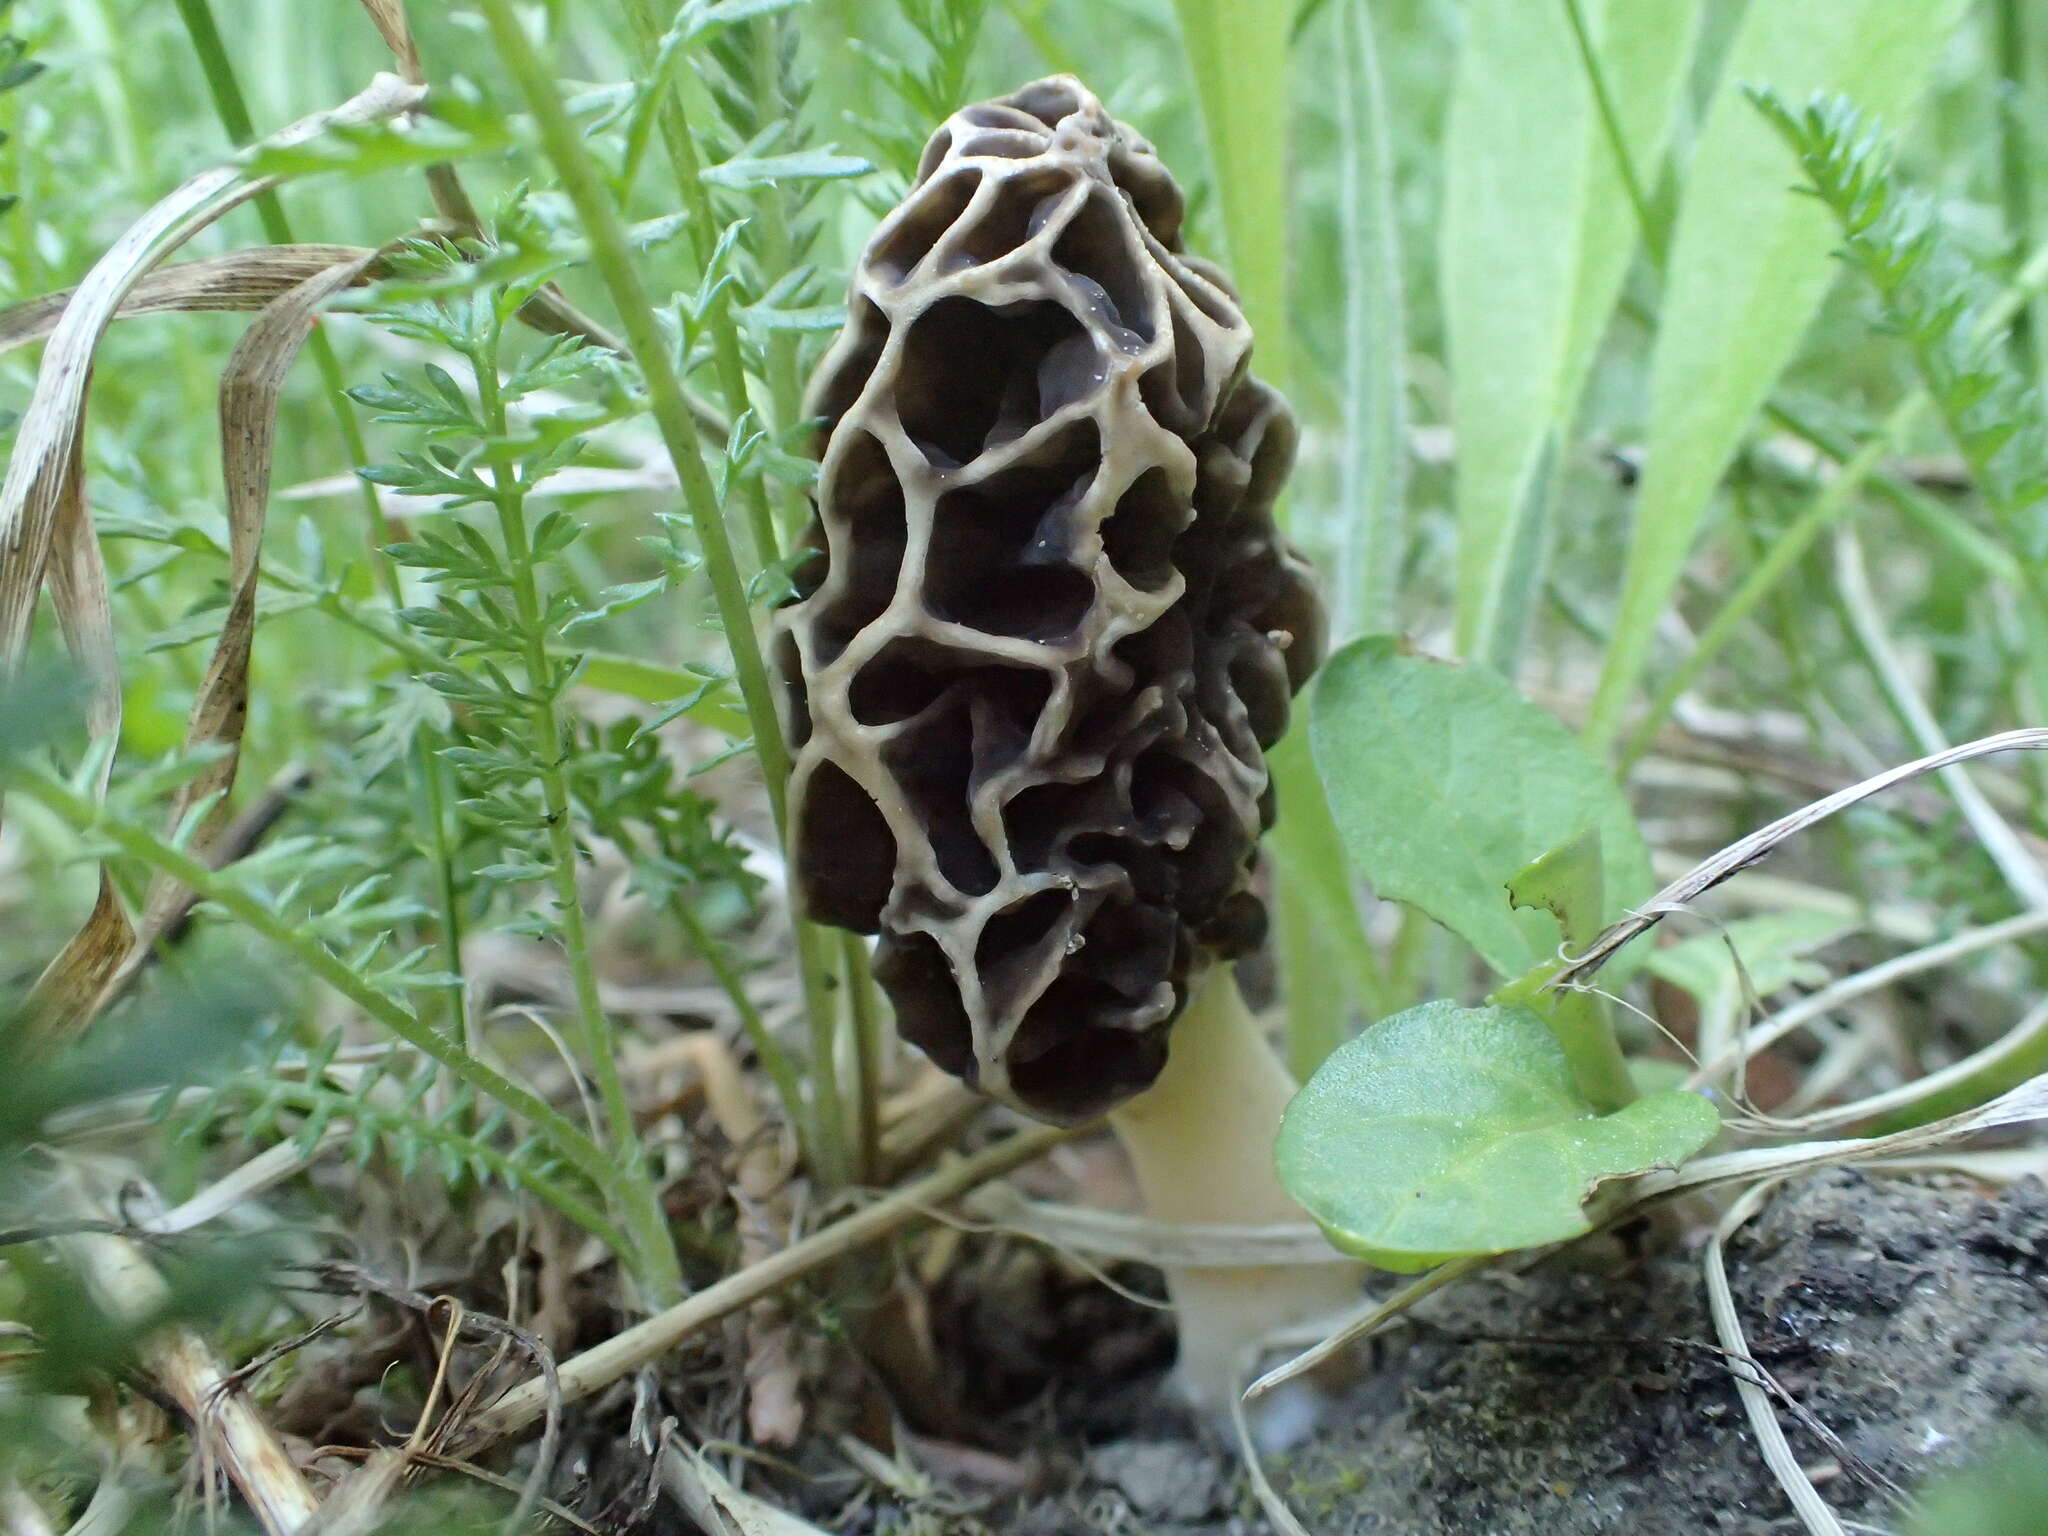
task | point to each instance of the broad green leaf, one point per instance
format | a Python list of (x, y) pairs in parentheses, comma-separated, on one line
[(1538, 228), (1239, 57), (1445, 1132), (1750, 264), (1445, 783)]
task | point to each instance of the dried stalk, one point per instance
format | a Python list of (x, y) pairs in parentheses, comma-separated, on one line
[(599, 1367), (123, 1282)]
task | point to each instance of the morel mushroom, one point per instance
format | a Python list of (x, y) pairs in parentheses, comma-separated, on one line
[(1051, 635)]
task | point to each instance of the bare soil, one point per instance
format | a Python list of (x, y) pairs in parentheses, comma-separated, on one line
[(1909, 1319)]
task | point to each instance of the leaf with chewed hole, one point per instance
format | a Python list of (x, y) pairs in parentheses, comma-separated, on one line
[(1568, 880), (1446, 1132)]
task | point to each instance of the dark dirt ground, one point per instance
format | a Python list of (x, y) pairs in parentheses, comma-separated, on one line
[(1581, 1397)]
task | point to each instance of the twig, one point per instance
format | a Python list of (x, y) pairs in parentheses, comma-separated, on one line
[(1370, 1321), (122, 1280), (599, 1367), (2019, 1106), (269, 1167), (546, 1381), (441, 1463), (716, 1505)]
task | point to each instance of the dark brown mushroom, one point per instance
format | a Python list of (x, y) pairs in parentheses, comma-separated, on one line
[(1053, 629)]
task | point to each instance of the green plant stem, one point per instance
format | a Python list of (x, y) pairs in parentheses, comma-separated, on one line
[(1654, 236), (841, 1141), (864, 1006), (1410, 949), (2032, 571), (2022, 78), (99, 30), (1867, 627), (1821, 512), (425, 770), (628, 676), (1582, 1025), (827, 1142), (778, 254), (611, 255), (681, 147), (429, 779), (1912, 503), (816, 972), (638, 1201), (87, 817), (1030, 20)]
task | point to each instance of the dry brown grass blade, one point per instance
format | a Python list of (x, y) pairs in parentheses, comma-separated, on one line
[(240, 280), (63, 994), (108, 952), (390, 21), (1739, 856), (250, 388), (33, 491), (548, 311)]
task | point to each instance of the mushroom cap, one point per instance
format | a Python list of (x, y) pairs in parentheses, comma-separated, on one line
[(1054, 629)]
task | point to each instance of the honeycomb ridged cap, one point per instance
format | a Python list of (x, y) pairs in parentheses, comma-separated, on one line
[(1032, 678)]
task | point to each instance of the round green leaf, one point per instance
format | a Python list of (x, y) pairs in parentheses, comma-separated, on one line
[(1446, 784), (1447, 1131)]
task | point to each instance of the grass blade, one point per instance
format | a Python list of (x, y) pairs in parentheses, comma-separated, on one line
[(237, 281), (1373, 468), (1538, 229), (1749, 267), (2022, 40), (1240, 61), (1239, 54), (1514, 195)]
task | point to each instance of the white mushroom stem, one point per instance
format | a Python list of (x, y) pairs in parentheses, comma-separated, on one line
[(1201, 1143)]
